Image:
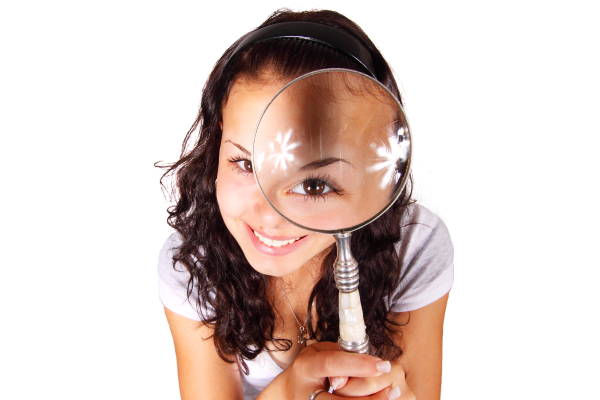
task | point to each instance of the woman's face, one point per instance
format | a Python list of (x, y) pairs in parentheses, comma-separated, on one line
[(271, 245)]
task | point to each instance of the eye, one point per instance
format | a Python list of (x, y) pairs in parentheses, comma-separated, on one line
[(242, 165), (317, 188), (312, 187), (246, 165)]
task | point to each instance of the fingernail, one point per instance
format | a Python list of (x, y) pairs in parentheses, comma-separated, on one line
[(384, 366), (394, 393), (335, 382)]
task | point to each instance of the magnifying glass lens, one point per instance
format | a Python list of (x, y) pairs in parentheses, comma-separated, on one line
[(331, 151)]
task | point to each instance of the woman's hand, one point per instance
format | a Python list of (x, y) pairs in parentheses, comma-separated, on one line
[(356, 386), (310, 370)]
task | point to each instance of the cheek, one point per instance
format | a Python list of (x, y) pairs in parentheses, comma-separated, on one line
[(234, 193), (325, 241)]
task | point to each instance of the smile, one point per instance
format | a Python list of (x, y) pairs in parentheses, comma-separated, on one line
[(277, 246), (275, 243)]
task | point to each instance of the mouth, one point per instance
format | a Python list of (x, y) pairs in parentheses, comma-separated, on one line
[(275, 243)]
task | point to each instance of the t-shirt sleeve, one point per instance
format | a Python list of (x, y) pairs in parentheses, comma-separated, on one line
[(426, 258), (173, 282)]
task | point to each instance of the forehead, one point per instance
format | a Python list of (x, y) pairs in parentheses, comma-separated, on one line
[(247, 100), (333, 110)]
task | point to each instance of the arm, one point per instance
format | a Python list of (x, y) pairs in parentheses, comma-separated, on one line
[(202, 373), (421, 344)]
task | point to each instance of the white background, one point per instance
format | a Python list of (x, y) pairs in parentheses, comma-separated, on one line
[(503, 103)]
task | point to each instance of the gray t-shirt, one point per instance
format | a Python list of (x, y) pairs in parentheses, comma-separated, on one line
[(426, 274)]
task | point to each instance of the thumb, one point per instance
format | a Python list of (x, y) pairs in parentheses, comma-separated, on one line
[(338, 382)]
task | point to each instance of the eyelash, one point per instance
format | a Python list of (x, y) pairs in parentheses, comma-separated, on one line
[(235, 160), (324, 180), (320, 179)]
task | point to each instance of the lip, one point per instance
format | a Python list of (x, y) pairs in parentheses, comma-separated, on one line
[(274, 251)]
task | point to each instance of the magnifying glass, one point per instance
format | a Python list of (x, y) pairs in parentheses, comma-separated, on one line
[(331, 153)]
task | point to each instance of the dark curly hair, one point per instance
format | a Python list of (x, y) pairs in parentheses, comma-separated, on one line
[(243, 319)]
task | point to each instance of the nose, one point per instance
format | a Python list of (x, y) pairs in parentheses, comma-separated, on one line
[(267, 216)]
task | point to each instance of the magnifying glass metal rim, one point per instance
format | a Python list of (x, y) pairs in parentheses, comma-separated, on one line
[(403, 179)]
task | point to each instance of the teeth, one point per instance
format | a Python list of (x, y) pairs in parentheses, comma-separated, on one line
[(274, 243)]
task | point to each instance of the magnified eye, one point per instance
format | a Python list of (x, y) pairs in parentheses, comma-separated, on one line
[(311, 187)]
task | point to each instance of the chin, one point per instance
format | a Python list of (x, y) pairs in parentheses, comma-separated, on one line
[(283, 266), (269, 265), (277, 269)]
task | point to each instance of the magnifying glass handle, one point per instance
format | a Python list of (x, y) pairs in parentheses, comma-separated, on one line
[(353, 337)]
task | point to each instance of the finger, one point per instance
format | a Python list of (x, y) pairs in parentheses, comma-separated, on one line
[(364, 386), (385, 394), (324, 364), (338, 382)]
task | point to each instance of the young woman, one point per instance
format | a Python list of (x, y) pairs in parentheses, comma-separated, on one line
[(237, 300)]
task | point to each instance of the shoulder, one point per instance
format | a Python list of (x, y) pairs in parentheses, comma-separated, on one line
[(423, 233), (166, 270), (173, 281), (426, 260)]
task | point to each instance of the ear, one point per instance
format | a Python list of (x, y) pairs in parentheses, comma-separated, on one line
[(221, 125)]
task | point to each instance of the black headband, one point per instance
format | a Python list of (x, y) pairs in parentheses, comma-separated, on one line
[(314, 32)]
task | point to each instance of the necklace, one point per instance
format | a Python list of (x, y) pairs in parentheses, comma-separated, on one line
[(302, 337)]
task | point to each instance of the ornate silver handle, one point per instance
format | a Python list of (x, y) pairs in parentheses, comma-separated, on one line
[(353, 337)]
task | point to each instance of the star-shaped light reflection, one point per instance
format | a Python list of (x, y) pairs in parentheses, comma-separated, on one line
[(388, 156), (281, 155)]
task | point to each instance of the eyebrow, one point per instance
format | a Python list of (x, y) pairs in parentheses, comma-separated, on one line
[(308, 167), (322, 163), (242, 148)]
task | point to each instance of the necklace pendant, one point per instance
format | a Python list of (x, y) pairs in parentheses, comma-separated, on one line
[(301, 338)]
